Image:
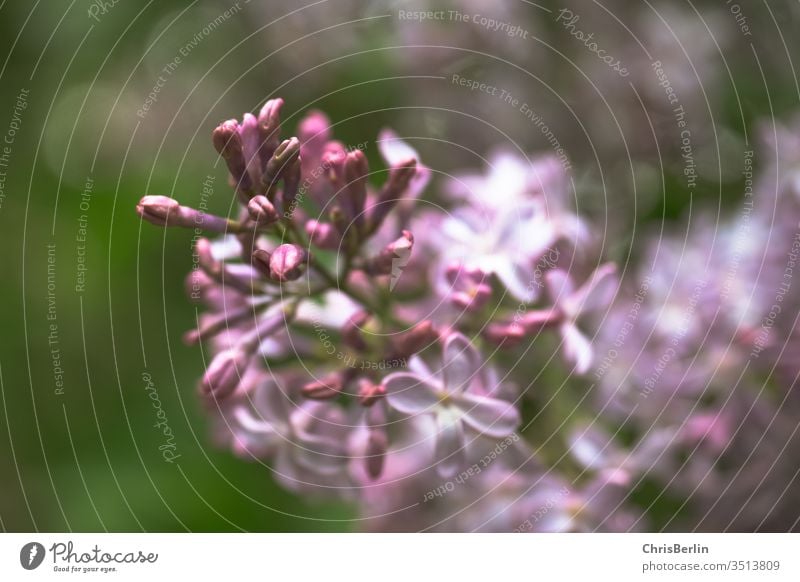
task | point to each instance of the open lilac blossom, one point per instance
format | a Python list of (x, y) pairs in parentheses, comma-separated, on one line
[(457, 399), (595, 294)]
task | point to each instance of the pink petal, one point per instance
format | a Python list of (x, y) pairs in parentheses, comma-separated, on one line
[(577, 349), (559, 286), (460, 363), (489, 416), (449, 443), (410, 394), (597, 293)]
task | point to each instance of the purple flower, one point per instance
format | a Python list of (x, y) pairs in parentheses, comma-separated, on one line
[(572, 304), (456, 398)]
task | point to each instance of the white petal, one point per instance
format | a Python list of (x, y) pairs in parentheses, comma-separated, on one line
[(591, 448), (334, 311), (559, 287), (489, 416), (410, 394), (597, 293), (577, 349), (449, 443), (394, 150), (320, 455), (512, 277), (460, 363)]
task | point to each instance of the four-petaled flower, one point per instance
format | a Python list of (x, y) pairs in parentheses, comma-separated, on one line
[(457, 397)]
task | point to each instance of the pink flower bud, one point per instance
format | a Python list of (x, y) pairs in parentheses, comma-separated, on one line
[(159, 210), (323, 235), (269, 126), (328, 387), (281, 161), (163, 211), (356, 169), (392, 258), (393, 190), (369, 392), (287, 262), (224, 373), (261, 258), (352, 334), (228, 142), (261, 211), (333, 158), (415, 339), (314, 130), (505, 334), (470, 286)]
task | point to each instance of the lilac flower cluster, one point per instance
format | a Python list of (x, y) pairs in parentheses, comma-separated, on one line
[(364, 347)]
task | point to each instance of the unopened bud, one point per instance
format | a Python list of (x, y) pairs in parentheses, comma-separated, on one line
[(261, 258), (261, 211), (505, 334), (323, 235), (314, 128), (159, 210), (280, 161), (416, 339), (324, 389), (352, 333), (228, 143), (164, 211), (356, 170), (393, 190), (393, 257), (470, 289), (224, 373), (287, 262), (369, 392), (269, 126)]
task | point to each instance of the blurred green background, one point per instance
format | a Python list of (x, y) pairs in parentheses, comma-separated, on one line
[(88, 459)]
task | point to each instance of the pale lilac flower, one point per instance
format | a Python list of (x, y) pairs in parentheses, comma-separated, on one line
[(456, 398), (594, 295)]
